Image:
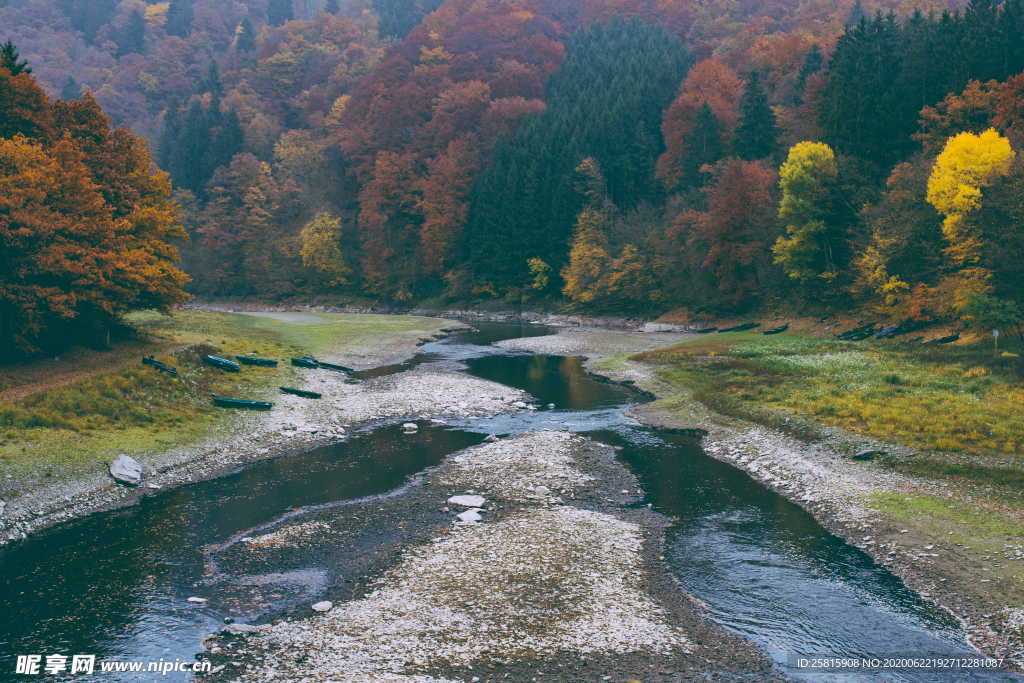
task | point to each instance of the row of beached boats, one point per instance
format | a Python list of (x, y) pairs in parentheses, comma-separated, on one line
[(743, 327), (859, 333), (229, 365)]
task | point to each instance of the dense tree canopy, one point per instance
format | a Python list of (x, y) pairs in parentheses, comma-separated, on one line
[(540, 150), (86, 224)]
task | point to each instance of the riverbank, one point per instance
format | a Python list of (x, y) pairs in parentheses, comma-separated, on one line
[(53, 472), (561, 580), (956, 542)]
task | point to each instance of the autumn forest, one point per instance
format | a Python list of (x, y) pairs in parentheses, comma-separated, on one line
[(606, 156)]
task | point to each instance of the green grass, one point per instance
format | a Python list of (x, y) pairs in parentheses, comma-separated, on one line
[(65, 430), (962, 401), (973, 539)]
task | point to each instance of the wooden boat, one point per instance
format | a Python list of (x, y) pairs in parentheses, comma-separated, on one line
[(944, 340), (777, 330), (333, 366), (162, 367), (740, 328), (246, 404), (305, 362), (222, 363), (253, 360), (887, 331), (857, 333), (300, 392)]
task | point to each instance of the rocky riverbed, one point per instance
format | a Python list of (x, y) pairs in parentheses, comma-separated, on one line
[(560, 579)]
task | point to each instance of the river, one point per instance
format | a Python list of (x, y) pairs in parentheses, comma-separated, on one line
[(115, 583)]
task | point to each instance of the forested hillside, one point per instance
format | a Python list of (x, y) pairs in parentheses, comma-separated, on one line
[(615, 155)]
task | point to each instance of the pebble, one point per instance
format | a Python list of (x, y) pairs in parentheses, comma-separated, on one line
[(468, 501), (322, 606), (410, 427), (197, 601)]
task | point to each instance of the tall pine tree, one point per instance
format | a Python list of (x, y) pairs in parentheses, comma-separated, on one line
[(704, 146), (10, 60), (245, 36), (279, 11), (179, 18), (757, 135)]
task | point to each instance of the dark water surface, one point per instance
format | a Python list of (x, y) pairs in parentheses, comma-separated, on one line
[(115, 584)]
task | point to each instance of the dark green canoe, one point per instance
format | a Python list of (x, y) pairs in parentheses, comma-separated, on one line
[(333, 366), (222, 363), (301, 392), (305, 362), (253, 360), (740, 328), (223, 402), (162, 367)]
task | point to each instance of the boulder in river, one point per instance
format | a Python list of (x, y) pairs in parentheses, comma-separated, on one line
[(868, 455), (197, 601), (126, 470), (470, 516), (468, 501), (491, 438), (322, 606), (410, 427)]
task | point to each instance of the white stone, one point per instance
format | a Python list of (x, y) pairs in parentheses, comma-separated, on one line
[(519, 404), (470, 516), (126, 470), (410, 427), (323, 606), (467, 501), (198, 601), (491, 438)]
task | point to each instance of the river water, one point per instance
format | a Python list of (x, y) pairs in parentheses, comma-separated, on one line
[(115, 584)]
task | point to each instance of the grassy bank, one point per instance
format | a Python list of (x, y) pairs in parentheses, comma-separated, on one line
[(55, 429), (961, 402)]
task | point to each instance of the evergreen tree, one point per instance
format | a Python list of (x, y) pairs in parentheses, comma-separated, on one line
[(606, 103), (179, 18), (813, 61), (131, 37), (856, 16), (703, 146), (9, 60), (245, 36), (71, 90), (212, 83), (757, 134), (398, 17), (89, 16), (279, 11)]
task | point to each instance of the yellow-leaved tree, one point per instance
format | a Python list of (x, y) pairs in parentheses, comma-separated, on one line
[(321, 248), (588, 257), (966, 166), (809, 251)]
